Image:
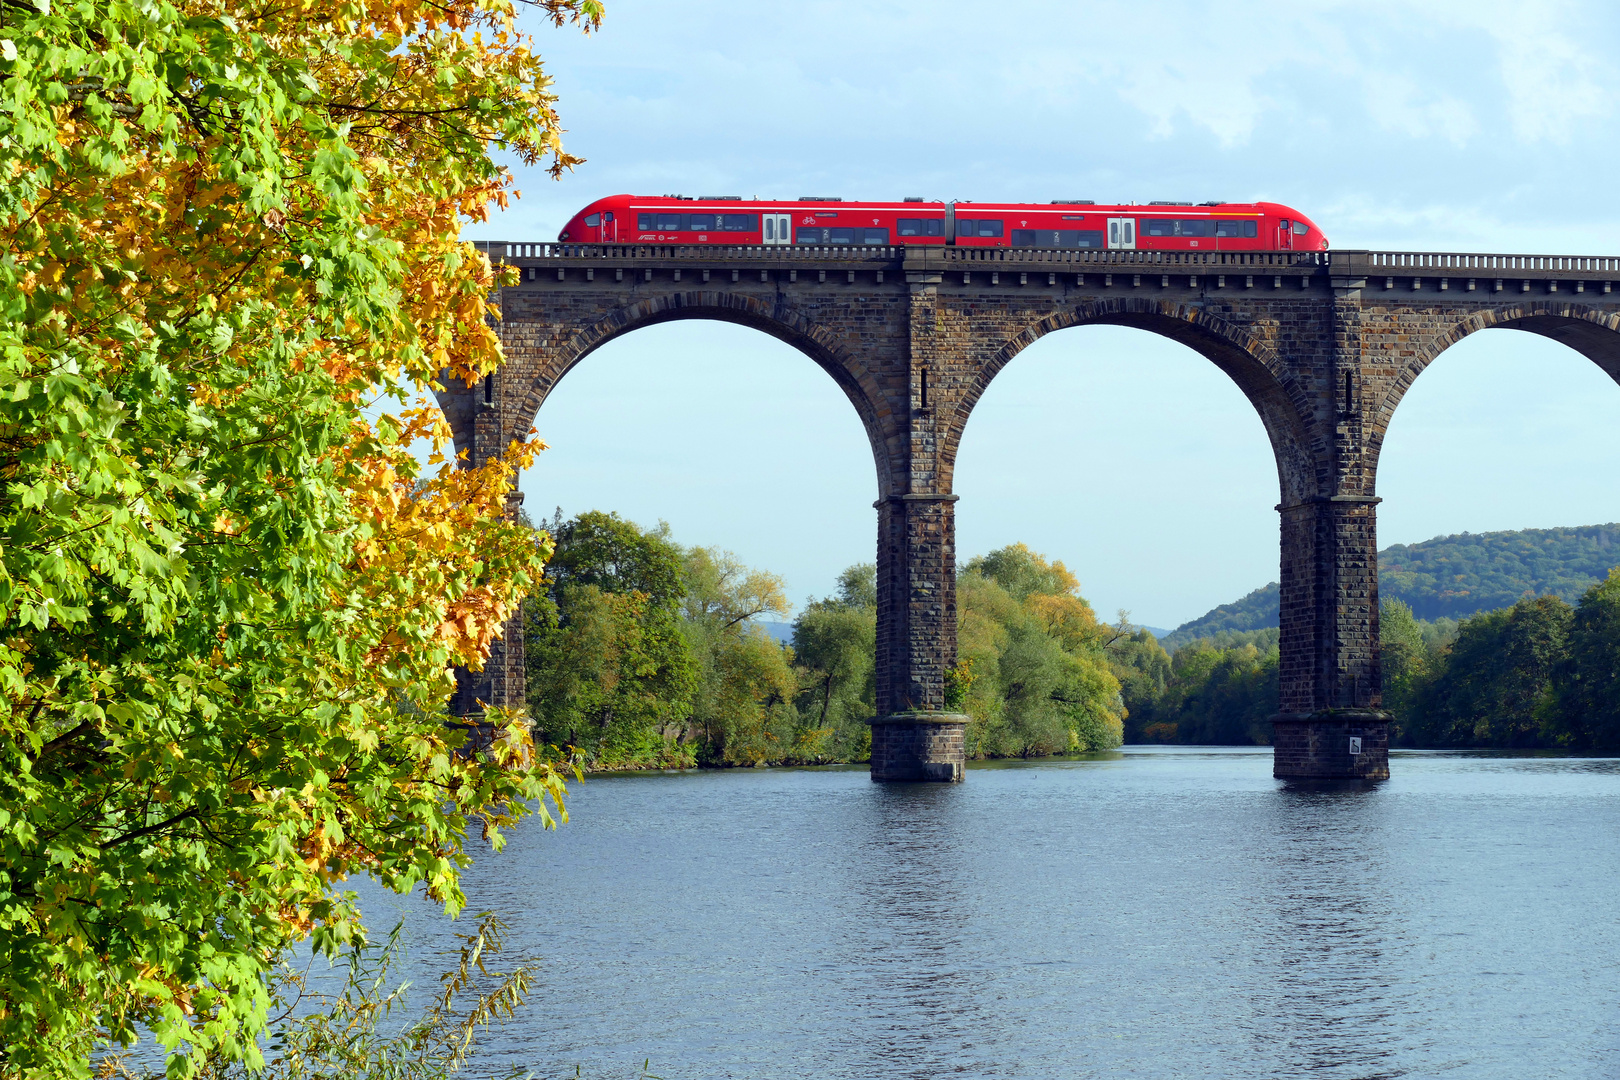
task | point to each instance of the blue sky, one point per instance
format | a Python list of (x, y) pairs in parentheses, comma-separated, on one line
[(1454, 127)]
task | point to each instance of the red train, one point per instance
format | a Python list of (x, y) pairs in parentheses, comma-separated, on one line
[(1062, 223)]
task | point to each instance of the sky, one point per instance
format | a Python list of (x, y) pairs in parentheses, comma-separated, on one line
[(1471, 127)]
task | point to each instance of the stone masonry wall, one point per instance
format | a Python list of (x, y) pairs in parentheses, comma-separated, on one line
[(1322, 347)]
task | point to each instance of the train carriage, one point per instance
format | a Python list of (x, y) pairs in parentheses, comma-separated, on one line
[(831, 222)]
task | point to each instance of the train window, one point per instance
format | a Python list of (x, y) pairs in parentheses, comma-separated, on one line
[(1057, 238), (840, 236), (1175, 227), (811, 236), (911, 226), (877, 236), (644, 221), (702, 222), (1248, 229), (738, 223), (670, 222), (978, 227), (593, 220), (1300, 228)]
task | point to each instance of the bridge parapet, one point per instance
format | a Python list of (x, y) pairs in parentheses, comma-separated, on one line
[(502, 251), (917, 255), (1475, 272), (1346, 262)]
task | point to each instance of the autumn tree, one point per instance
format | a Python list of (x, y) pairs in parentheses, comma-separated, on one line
[(743, 711), (229, 601), (610, 670), (835, 652), (1041, 682)]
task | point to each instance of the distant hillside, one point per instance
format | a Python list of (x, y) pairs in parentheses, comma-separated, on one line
[(1453, 576), (1256, 611)]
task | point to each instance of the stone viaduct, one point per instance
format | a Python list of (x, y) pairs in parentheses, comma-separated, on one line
[(1323, 344)]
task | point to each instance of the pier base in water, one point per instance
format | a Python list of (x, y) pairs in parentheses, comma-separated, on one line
[(1334, 744), (919, 746)]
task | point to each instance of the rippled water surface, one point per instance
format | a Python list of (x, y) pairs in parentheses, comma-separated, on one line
[(1165, 913)]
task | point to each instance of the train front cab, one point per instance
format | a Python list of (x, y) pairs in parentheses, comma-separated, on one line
[(598, 223)]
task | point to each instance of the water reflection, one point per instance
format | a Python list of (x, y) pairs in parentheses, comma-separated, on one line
[(1324, 997), (922, 997)]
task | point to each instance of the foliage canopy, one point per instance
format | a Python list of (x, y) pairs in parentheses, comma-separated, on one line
[(229, 598)]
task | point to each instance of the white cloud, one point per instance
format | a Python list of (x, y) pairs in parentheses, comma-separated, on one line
[(1396, 104), (1552, 84)]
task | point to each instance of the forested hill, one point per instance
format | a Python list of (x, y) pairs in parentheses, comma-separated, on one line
[(1454, 576)]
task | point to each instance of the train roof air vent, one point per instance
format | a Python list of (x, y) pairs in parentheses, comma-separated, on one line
[(719, 198), (820, 198), (1074, 202), (1168, 202), (914, 198), (1215, 202)]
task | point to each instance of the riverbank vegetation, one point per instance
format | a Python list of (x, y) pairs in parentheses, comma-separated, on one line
[(646, 654), (643, 653), (1541, 673)]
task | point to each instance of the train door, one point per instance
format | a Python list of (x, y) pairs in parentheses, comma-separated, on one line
[(610, 228), (778, 229), (1122, 233), (1285, 235)]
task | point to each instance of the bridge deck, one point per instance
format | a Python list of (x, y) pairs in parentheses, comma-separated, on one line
[(1598, 269)]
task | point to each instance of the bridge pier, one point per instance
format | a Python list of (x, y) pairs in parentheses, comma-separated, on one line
[(480, 415), (1330, 724), (913, 736), (1333, 744)]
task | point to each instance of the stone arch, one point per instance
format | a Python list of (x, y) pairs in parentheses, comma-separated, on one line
[(778, 319), (1248, 361), (1593, 333)]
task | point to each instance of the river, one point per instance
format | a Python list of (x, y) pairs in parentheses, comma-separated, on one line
[(1160, 912)]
